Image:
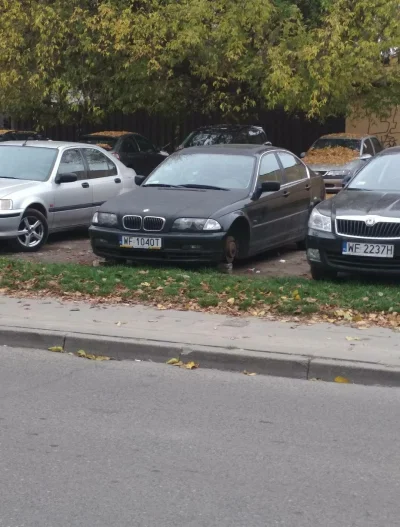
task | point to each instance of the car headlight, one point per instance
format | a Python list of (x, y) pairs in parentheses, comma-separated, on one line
[(337, 173), (6, 204), (195, 225), (105, 218), (320, 222)]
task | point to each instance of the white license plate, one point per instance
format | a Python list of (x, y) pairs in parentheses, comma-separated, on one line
[(377, 250), (140, 242)]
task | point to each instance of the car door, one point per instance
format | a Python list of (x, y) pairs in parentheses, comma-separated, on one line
[(297, 193), (73, 202), (129, 154), (267, 213), (103, 176), (367, 148), (151, 158)]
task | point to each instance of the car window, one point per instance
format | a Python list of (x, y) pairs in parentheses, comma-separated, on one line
[(257, 136), (242, 137), (144, 144), (129, 147), (367, 148), (208, 137), (97, 162), (377, 145), (270, 169), (112, 169), (293, 168), (333, 142), (26, 162), (72, 162), (381, 174)]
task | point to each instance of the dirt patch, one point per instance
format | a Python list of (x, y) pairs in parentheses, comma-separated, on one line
[(74, 247)]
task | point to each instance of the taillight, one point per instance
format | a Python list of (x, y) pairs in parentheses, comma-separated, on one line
[(115, 154)]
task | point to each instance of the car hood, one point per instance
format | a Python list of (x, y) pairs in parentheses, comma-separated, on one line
[(10, 186), (177, 203), (363, 203)]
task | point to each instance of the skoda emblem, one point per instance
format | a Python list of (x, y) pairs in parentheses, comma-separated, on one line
[(370, 222)]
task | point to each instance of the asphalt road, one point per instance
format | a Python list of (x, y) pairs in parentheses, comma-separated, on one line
[(127, 444)]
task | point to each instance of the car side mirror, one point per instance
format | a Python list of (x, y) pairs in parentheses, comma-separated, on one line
[(366, 157), (302, 155), (270, 186), (68, 177), (139, 180), (346, 180)]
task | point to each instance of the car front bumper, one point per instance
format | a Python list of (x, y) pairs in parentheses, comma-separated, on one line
[(177, 247), (9, 223), (324, 250)]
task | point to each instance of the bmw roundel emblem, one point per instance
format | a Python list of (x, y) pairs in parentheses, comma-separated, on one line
[(370, 222)]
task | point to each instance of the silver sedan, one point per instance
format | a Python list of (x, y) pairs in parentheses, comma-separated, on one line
[(54, 186)]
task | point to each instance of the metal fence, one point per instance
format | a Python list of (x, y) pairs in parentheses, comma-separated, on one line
[(293, 132)]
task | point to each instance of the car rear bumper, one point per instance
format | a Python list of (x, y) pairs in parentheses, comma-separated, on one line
[(324, 250), (9, 223), (177, 247)]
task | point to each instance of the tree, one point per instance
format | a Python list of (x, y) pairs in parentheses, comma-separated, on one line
[(75, 61)]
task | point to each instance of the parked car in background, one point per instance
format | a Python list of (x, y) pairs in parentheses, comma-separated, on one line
[(225, 134), (50, 186), (132, 149), (335, 156), (210, 204), (20, 135), (359, 229)]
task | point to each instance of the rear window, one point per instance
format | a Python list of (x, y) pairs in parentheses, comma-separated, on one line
[(205, 138)]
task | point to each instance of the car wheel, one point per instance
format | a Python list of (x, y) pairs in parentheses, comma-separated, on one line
[(32, 231), (319, 273), (231, 249)]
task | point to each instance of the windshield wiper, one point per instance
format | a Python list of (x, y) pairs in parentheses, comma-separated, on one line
[(360, 189), (8, 177), (161, 185), (207, 187)]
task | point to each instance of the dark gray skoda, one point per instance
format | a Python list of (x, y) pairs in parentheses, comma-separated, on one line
[(359, 230), (210, 204)]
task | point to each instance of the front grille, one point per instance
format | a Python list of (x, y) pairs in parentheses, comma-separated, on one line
[(363, 262), (152, 223), (320, 172), (132, 223), (360, 229)]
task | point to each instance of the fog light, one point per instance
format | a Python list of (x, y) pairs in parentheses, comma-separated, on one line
[(192, 247), (313, 254)]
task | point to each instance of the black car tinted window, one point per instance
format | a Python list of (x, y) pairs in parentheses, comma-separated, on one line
[(294, 169), (108, 143), (97, 162), (129, 146), (270, 169), (144, 144), (26, 162), (381, 174), (256, 136), (205, 137), (367, 148), (377, 145), (222, 170), (72, 162)]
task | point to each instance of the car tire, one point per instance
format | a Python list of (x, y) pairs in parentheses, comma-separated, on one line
[(230, 249), (35, 231), (319, 273)]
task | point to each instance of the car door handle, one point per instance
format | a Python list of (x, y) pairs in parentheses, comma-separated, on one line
[(117, 180), (286, 193), (308, 187), (85, 184)]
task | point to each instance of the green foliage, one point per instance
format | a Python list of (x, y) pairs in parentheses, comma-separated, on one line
[(69, 61)]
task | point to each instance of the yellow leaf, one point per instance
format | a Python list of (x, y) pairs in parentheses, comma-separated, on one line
[(145, 284), (90, 356), (159, 288), (231, 301), (172, 361), (297, 297), (179, 364), (311, 300), (341, 380), (161, 307), (102, 357), (352, 338), (249, 374), (81, 353), (295, 293), (57, 349), (191, 365)]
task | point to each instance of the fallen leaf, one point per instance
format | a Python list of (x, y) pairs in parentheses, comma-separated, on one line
[(102, 357), (172, 361), (81, 353), (341, 380), (380, 294), (118, 323), (161, 307), (159, 288), (145, 284), (249, 374), (179, 363), (57, 349), (143, 272), (352, 338), (191, 365), (310, 300), (231, 301)]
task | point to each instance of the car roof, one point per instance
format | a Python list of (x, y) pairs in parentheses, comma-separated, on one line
[(231, 127), (390, 151), (109, 134), (250, 150), (46, 144)]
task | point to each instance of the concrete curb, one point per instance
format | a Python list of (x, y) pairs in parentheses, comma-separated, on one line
[(263, 363)]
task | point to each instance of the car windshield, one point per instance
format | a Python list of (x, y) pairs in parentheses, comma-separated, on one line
[(26, 162), (382, 173), (208, 137), (108, 143), (333, 142), (204, 170)]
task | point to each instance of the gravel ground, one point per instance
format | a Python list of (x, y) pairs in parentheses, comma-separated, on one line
[(74, 247)]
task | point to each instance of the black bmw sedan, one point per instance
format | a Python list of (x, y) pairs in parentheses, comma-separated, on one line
[(359, 229), (210, 204)]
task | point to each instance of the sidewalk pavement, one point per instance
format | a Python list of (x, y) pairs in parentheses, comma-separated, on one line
[(317, 351)]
